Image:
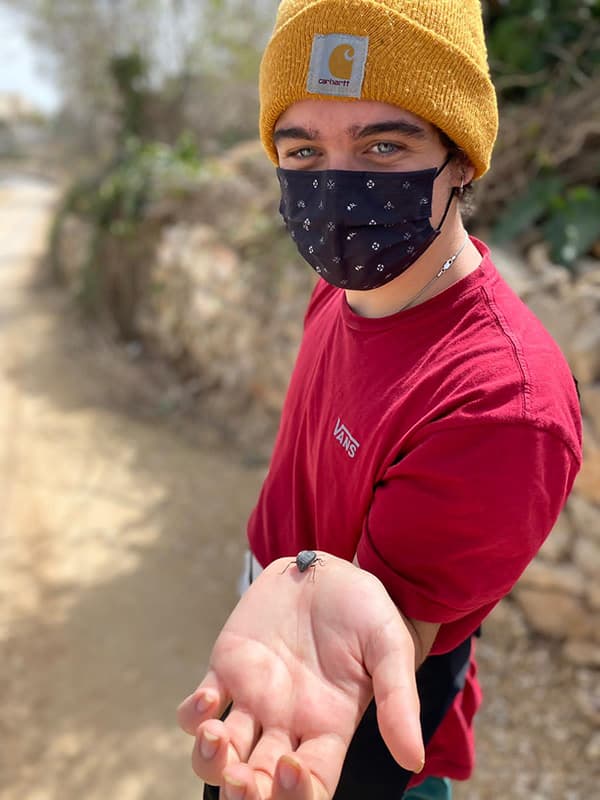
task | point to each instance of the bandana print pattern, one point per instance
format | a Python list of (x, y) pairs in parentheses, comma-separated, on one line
[(359, 230)]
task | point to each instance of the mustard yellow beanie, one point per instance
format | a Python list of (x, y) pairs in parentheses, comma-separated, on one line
[(427, 56)]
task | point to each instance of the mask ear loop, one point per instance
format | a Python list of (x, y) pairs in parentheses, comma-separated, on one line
[(454, 192), (444, 165)]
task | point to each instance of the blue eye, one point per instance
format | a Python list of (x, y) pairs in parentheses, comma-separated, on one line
[(303, 152), (385, 148)]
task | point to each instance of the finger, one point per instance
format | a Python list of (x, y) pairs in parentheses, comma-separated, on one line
[(313, 771), (209, 700), (293, 781), (239, 783), (270, 747), (389, 659), (244, 731), (212, 752)]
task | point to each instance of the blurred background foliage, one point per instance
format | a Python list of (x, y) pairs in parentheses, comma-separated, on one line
[(154, 89), (534, 42), (180, 64), (545, 181)]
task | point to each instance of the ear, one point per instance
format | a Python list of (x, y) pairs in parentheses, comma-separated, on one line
[(469, 173), (462, 173), (465, 170)]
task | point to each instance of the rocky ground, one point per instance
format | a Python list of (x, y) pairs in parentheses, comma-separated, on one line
[(120, 537)]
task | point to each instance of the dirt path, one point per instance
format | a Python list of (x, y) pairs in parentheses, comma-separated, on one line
[(119, 547)]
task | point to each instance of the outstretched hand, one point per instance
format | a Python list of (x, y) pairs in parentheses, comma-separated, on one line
[(299, 659)]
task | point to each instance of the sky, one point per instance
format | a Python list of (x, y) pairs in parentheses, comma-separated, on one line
[(21, 72)]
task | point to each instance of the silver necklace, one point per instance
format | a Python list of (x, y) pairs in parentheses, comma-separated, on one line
[(443, 269)]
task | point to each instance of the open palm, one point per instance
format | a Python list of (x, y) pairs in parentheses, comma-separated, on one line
[(299, 660)]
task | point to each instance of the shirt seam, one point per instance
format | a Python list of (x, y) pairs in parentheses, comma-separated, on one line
[(535, 424), (518, 353)]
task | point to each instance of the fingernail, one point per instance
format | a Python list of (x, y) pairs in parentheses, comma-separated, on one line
[(289, 773), (204, 702), (421, 768), (234, 790), (209, 744)]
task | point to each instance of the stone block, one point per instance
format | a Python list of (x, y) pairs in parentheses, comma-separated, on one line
[(514, 270), (582, 653), (588, 480), (590, 400), (586, 555), (583, 350), (547, 576), (559, 318), (549, 277), (592, 594), (554, 613), (584, 515), (558, 544), (506, 624), (592, 749)]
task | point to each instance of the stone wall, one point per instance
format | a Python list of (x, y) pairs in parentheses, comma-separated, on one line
[(559, 593), (225, 300)]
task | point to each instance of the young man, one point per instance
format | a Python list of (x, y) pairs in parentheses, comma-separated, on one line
[(430, 435)]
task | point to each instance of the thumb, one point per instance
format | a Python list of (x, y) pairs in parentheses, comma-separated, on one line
[(390, 660)]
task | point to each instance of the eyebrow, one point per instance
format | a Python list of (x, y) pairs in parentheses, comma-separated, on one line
[(392, 126), (294, 133)]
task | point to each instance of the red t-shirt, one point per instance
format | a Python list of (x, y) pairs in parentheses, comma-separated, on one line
[(439, 445)]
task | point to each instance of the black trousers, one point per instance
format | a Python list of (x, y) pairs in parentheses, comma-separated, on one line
[(369, 769)]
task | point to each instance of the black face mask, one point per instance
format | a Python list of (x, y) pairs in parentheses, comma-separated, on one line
[(360, 230)]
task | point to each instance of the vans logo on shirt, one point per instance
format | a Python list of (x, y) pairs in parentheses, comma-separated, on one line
[(343, 436)]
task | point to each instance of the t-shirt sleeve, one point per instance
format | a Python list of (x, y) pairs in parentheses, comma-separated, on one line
[(456, 520)]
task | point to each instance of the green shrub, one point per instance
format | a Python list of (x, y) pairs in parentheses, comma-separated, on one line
[(115, 204), (536, 46), (569, 217), (545, 60)]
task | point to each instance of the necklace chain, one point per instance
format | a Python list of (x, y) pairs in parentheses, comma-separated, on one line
[(443, 269)]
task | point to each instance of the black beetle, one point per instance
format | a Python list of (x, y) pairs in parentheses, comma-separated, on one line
[(304, 560)]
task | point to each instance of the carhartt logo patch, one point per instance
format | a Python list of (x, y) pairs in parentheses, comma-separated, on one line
[(343, 436), (337, 64)]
